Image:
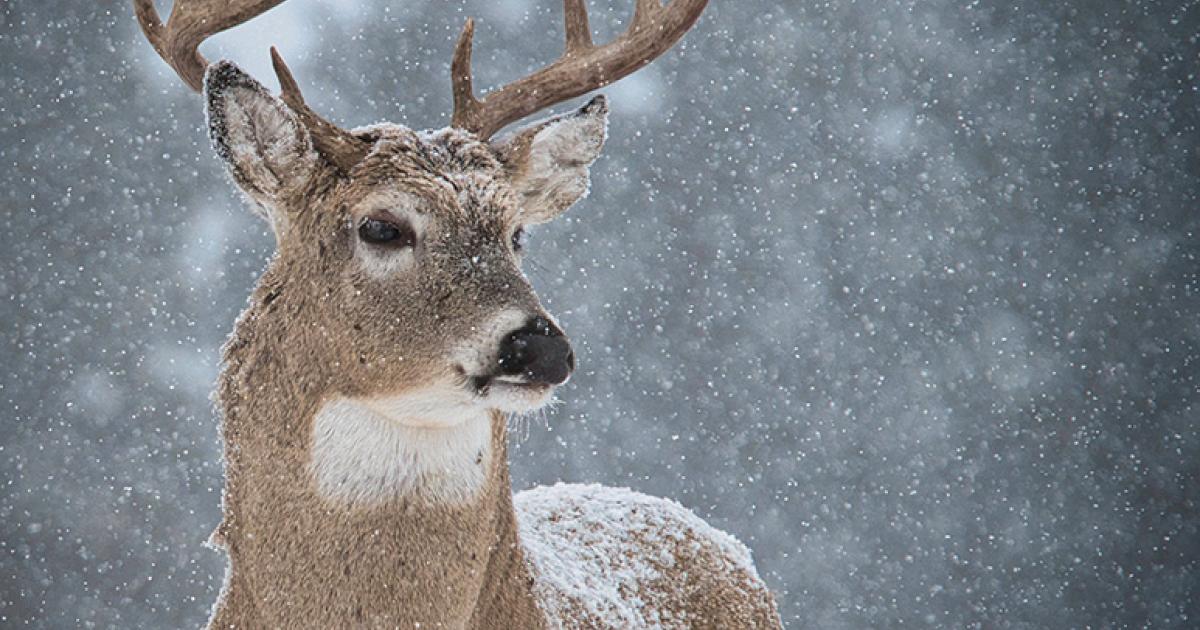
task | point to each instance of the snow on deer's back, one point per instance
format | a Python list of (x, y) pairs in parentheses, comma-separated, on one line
[(605, 557)]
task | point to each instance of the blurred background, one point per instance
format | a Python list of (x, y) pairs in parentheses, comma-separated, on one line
[(903, 294)]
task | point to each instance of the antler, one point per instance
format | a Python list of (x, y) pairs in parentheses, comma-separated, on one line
[(190, 24), (193, 21), (339, 146), (582, 67)]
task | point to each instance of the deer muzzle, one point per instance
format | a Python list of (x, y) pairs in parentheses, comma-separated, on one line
[(538, 353)]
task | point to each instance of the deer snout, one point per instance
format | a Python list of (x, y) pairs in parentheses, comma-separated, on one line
[(537, 352)]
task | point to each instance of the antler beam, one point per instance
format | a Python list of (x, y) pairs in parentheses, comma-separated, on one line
[(193, 21), (582, 67)]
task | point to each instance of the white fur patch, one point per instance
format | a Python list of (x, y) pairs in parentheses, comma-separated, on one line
[(360, 455), (443, 407), (517, 398)]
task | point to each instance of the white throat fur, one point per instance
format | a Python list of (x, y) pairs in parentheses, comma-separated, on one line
[(362, 457)]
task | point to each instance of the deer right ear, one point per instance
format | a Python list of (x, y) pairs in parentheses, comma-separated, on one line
[(548, 161), (267, 148)]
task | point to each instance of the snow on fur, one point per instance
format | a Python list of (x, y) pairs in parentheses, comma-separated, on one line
[(596, 552)]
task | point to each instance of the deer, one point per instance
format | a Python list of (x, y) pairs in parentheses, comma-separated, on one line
[(365, 392)]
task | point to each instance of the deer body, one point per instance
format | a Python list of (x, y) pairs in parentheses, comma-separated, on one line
[(364, 391), (298, 561)]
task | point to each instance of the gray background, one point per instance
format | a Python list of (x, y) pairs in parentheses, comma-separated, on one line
[(903, 294)]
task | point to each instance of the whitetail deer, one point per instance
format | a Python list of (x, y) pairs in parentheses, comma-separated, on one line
[(365, 389)]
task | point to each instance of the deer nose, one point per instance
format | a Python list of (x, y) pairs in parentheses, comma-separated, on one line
[(539, 352)]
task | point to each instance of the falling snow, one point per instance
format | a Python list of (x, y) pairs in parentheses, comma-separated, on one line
[(904, 295)]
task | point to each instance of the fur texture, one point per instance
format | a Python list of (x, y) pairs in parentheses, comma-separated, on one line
[(269, 153), (366, 479), (683, 574), (363, 457)]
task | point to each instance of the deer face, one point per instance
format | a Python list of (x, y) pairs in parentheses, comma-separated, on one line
[(410, 258)]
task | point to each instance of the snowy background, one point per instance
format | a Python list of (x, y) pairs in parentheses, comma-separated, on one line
[(905, 294)]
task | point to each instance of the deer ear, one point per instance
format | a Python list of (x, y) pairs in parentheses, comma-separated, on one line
[(268, 150), (548, 161)]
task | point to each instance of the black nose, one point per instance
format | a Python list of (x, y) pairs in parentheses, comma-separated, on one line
[(539, 352)]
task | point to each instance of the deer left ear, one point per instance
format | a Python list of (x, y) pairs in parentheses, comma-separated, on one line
[(267, 148), (548, 161)]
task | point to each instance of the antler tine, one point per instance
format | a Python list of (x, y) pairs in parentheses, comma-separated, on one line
[(466, 106), (644, 10), (579, 33), (339, 146), (582, 67), (152, 27)]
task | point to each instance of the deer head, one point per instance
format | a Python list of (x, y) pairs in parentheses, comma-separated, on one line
[(397, 277)]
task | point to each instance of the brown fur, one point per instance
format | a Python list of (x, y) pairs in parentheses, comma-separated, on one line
[(317, 329), (320, 328)]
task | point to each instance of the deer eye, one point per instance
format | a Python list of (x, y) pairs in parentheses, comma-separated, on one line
[(387, 233), (518, 239)]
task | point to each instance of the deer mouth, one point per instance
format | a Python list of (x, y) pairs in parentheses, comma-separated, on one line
[(485, 385), (511, 394)]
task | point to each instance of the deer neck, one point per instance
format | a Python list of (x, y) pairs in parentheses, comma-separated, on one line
[(334, 514)]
